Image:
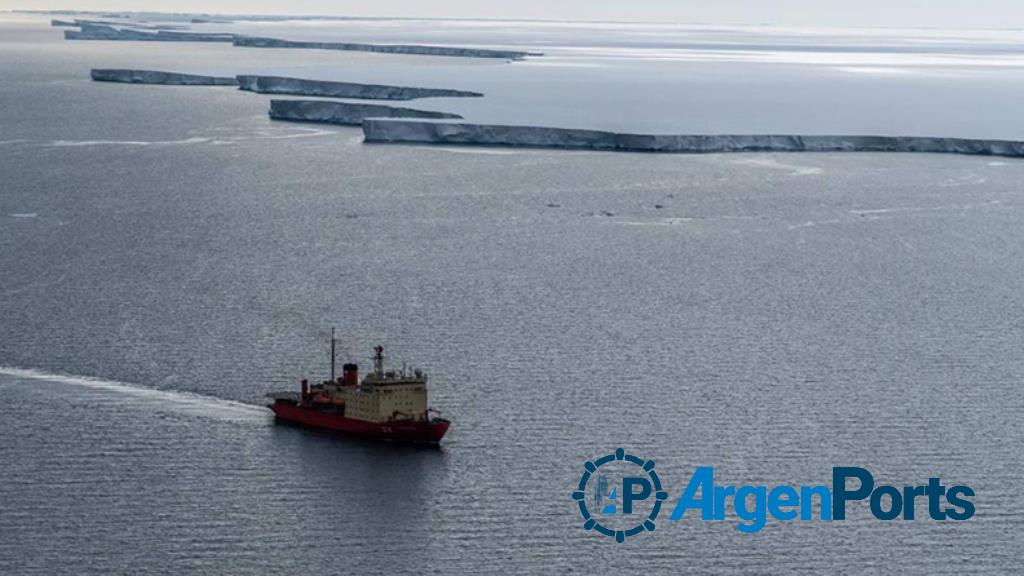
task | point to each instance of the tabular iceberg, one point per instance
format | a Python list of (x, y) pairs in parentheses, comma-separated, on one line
[(302, 87), (158, 77), (258, 42), (327, 112), (105, 32), (411, 131)]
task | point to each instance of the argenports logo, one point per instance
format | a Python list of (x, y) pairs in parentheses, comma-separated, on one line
[(620, 495), (638, 482)]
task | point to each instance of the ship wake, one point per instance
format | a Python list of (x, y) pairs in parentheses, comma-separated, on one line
[(188, 403)]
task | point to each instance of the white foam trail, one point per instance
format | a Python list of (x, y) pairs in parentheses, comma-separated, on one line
[(812, 224), (658, 222), (484, 151), (222, 141), (873, 211), (966, 180), (303, 133), (76, 143), (774, 163), (25, 215), (184, 402)]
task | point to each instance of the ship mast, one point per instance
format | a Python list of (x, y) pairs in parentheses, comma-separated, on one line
[(333, 341)]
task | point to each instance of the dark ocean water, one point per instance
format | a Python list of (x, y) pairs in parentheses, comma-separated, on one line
[(168, 255)]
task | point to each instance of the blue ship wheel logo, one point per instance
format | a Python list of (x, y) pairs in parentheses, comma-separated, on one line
[(652, 488)]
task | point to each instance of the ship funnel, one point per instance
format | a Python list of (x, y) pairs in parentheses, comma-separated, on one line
[(350, 375), (378, 361)]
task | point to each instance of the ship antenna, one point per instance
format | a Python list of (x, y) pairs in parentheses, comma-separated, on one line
[(333, 341)]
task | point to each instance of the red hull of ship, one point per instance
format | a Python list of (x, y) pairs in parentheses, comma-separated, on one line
[(425, 432)]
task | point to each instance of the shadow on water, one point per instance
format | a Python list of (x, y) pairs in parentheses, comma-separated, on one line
[(366, 489)]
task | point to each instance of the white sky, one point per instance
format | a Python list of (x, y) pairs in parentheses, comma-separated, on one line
[(890, 13)]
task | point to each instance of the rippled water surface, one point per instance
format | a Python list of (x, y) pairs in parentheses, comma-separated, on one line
[(168, 255)]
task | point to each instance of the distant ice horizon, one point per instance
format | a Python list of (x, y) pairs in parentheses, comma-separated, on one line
[(651, 79), (943, 14)]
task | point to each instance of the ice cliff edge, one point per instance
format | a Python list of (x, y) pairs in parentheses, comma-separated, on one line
[(304, 87), (327, 112), (425, 132), (157, 77)]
